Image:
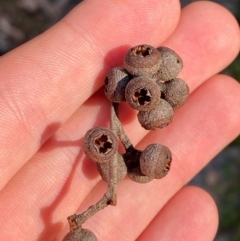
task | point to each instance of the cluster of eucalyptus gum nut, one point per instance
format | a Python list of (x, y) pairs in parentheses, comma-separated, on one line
[(148, 83)]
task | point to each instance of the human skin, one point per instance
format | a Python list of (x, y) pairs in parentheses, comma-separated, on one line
[(50, 96)]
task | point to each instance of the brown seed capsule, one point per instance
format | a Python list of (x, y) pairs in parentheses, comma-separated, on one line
[(176, 92), (136, 175), (155, 161), (80, 235), (161, 85), (100, 144), (171, 64), (132, 160), (158, 117), (142, 93), (115, 84), (103, 169), (142, 60)]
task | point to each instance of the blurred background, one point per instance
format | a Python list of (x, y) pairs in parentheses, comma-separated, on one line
[(21, 20)]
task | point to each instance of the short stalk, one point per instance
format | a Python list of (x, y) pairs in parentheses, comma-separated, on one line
[(120, 131)]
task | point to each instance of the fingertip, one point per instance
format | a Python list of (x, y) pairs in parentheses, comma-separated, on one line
[(198, 203), (190, 215), (207, 33), (219, 20)]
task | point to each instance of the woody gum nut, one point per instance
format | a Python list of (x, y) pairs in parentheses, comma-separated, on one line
[(136, 175), (103, 169), (115, 84), (155, 161), (158, 117), (142, 93), (132, 160), (161, 85), (142, 60), (171, 65), (100, 144), (80, 235), (176, 92)]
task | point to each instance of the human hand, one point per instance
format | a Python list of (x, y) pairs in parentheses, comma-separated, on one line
[(50, 97)]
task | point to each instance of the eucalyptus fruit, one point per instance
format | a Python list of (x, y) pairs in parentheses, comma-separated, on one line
[(148, 83)]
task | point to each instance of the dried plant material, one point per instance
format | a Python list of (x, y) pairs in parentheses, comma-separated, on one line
[(80, 235), (142, 93), (176, 92), (158, 117), (132, 160), (100, 144), (115, 84), (171, 65), (136, 175), (142, 60), (103, 169), (149, 84), (155, 161)]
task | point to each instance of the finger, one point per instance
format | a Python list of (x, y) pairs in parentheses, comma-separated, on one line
[(191, 214), (205, 43), (44, 81)]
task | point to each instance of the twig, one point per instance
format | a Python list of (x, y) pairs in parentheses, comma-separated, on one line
[(110, 197), (120, 131)]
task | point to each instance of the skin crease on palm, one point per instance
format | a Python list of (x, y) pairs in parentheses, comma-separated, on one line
[(50, 96)]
